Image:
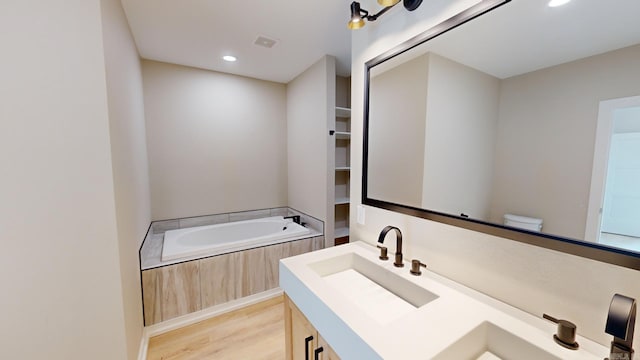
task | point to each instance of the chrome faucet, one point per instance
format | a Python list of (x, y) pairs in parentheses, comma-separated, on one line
[(398, 261), (621, 322)]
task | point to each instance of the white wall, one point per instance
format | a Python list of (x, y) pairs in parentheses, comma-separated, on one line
[(216, 142), (59, 267), (461, 120), (310, 105), (448, 135), (551, 179), (396, 166), (129, 160), (534, 279)]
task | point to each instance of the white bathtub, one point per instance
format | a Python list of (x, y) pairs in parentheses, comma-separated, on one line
[(227, 237)]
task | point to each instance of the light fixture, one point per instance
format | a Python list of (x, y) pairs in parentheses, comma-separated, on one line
[(229, 58), (555, 3), (359, 15), (357, 21), (388, 2)]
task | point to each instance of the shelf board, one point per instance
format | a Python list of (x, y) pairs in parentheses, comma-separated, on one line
[(342, 200), (343, 168), (343, 112), (341, 232), (343, 135)]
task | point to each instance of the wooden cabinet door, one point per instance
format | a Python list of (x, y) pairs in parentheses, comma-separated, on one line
[(301, 337), (327, 352)]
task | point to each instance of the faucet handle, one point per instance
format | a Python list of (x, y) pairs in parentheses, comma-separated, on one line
[(415, 267), (619, 317), (621, 322), (383, 253), (566, 334)]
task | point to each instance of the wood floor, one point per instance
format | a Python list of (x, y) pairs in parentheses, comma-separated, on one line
[(255, 332)]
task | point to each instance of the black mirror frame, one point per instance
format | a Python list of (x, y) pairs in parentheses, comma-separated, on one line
[(606, 254)]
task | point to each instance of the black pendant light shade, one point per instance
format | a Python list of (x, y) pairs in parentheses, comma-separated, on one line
[(411, 4)]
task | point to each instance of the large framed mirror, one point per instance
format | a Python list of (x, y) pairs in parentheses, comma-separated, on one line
[(516, 119)]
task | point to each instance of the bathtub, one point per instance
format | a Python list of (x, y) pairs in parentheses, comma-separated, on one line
[(234, 236)]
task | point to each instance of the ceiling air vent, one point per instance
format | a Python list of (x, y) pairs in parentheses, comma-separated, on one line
[(265, 42)]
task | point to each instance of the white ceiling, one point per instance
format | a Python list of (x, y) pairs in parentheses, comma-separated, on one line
[(199, 32), (527, 35), (521, 36)]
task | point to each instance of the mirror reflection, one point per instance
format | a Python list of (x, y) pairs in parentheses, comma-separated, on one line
[(528, 116)]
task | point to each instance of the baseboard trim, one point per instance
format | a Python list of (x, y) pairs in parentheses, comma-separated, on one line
[(144, 345), (195, 317)]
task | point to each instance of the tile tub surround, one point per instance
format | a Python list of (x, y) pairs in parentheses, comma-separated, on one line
[(183, 286), (151, 250), (161, 226), (180, 289)]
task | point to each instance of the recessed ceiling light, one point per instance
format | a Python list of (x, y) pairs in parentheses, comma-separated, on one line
[(554, 3), (229, 58)]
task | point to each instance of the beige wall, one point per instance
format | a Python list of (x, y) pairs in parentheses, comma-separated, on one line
[(216, 142), (434, 155), (398, 167), (534, 279), (59, 268), (461, 113), (310, 104), (551, 179), (129, 160)]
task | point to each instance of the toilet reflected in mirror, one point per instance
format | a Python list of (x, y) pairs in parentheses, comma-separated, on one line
[(523, 222)]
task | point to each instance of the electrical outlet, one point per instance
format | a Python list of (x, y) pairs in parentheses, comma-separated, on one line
[(360, 218)]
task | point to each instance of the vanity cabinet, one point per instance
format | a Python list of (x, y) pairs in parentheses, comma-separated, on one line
[(303, 342), (327, 353)]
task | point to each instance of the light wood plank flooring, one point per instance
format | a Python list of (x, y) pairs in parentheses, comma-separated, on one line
[(255, 332)]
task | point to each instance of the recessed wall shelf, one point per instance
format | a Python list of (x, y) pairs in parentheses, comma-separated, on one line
[(343, 112), (341, 232), (342, 148)]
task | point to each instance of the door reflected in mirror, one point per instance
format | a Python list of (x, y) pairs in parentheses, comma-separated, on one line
[(528, 110)]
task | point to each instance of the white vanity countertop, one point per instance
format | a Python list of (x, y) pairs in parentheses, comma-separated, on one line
[(356, 329)]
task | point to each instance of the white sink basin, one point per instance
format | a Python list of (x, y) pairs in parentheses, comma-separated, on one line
[(368, 309), (489, 342), (380, 293)]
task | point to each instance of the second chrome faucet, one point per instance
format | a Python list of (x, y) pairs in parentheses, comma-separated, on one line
[(398, 256)]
